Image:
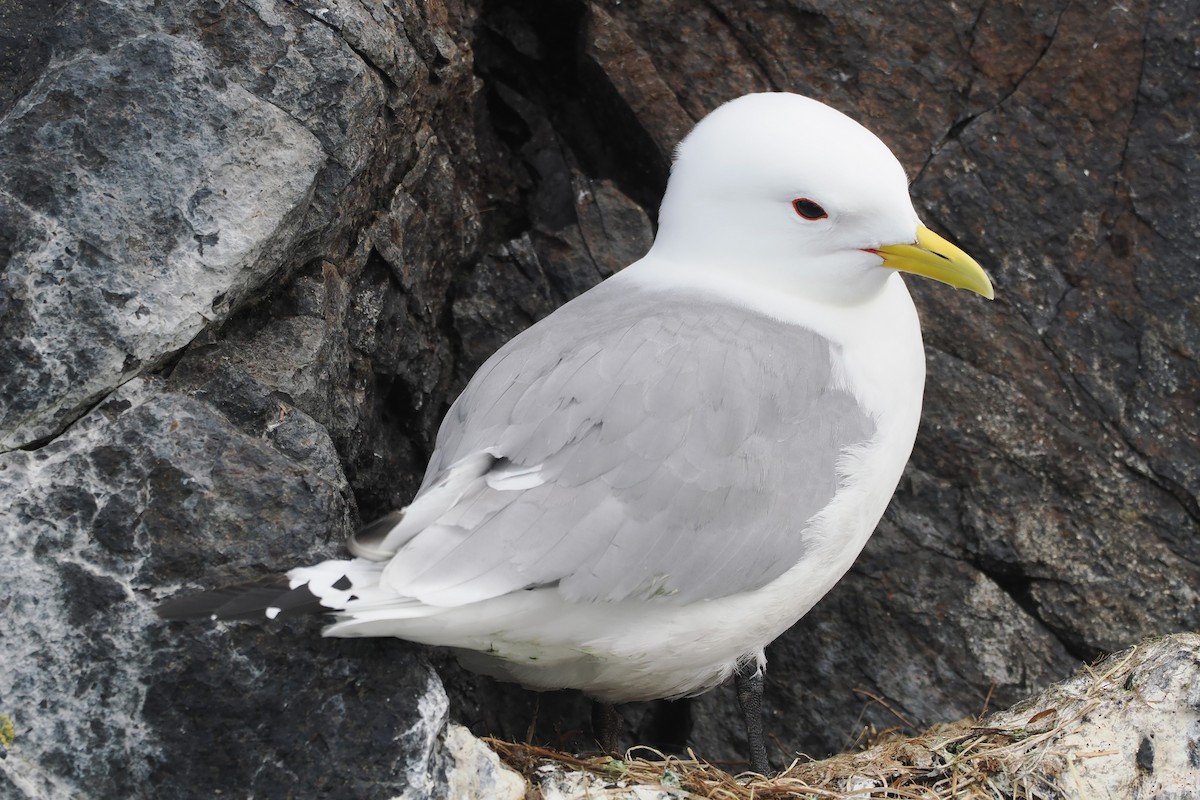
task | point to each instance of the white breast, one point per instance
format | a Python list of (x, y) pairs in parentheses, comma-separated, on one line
[(883, 364)]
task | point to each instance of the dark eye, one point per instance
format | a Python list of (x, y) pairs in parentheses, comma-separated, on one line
[(808, 209)]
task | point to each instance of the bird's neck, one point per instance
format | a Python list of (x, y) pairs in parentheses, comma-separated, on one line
[(843, 282)]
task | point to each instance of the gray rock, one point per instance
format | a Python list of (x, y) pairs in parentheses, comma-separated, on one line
[(130, 502), (249, 252), (210, 185), (476, 772), (259, 129)]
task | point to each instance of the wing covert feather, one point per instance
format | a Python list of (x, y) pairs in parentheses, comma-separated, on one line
[(663, 446)]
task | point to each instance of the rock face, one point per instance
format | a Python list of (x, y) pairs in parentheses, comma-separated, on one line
[(250, 251)]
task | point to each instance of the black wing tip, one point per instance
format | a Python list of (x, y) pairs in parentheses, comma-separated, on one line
[(270, 598), (242, 601), (188, 607), (297, 602)]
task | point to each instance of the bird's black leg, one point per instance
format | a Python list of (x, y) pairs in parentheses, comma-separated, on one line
[(748, 678), (606, 725)]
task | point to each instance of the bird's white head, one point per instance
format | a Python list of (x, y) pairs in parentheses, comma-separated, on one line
[(791, 193)]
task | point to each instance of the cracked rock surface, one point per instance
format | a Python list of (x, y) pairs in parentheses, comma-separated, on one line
[(250, 251)]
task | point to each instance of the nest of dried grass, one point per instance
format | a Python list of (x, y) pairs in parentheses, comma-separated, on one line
[(972, 763), (1014, 755)]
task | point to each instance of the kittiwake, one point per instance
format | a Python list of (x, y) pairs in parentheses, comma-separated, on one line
[(637, 494)]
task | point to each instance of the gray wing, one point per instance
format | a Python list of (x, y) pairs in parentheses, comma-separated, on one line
[(633, 444)]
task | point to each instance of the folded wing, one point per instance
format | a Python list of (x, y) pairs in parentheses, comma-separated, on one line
[(632, 445)]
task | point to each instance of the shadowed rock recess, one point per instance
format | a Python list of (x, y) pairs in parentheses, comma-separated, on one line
[(250, 251)]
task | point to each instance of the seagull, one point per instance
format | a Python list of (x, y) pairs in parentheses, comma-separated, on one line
[(637, 494)]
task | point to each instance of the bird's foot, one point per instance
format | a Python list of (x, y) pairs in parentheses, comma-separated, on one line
[(748, 678)]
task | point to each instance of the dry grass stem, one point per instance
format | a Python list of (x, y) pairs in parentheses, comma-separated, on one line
[(1020, 754)]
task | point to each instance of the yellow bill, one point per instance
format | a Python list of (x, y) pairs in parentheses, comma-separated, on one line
[(934, 257)]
